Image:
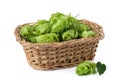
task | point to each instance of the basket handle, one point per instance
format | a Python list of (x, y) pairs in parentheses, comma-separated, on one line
[(101, 34)]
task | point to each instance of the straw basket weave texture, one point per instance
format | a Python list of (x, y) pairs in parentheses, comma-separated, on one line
[(47, 56)]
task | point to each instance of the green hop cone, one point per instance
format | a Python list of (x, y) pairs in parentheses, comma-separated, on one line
[(41, 27), (88, 34), (86, 68), (33, 39), (69, 34), (55, 17), (26, 31), (73, 23), (84, 27), (58, 27), (47, 38), (59, 22)]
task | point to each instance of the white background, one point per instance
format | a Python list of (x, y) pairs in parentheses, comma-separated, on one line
[(14, 68)]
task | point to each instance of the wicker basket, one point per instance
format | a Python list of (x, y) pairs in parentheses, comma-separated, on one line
[(65, 54)]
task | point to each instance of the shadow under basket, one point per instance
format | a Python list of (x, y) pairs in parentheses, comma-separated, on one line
[(50, 56)]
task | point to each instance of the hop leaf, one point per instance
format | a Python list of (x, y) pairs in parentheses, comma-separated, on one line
[(100, 68)]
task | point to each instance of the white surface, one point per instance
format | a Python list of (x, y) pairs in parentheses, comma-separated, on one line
[(14, 68)]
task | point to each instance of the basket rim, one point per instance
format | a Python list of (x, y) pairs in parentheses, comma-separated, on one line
[(99, 36)]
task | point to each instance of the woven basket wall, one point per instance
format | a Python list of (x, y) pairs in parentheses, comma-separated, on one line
[(65, 54)]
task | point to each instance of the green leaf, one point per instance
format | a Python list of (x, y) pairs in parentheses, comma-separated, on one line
[(100, 68)]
